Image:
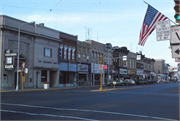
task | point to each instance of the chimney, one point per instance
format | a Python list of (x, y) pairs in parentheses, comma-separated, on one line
[(42, 24)]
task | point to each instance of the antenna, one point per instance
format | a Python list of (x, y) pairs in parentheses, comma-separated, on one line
[(97, 37), (91, 33), (88, 33), (85, 34)]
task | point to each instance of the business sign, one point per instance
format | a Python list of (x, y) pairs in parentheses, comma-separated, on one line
[(139, 72), (9, 59), (105, 67), (132, 71), (163, 30), (9, 66), (175, 34), (122, 71), (10, 54), (82, 67), (177, 60)]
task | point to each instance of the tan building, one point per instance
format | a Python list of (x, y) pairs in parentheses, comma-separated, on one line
[(161, 69), (97, 50), (83, 63), (131, 64)]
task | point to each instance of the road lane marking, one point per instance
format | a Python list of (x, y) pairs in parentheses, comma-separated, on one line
[(72, 117), (96, 111)]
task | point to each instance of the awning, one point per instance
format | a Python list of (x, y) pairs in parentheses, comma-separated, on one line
[(125, 76)]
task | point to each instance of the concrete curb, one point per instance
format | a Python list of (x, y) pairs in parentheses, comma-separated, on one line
[(41, 89)]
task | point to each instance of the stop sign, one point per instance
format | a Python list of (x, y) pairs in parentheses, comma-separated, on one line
[(105, 67)]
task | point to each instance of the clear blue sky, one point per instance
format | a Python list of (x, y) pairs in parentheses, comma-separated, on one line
[(111, 21)]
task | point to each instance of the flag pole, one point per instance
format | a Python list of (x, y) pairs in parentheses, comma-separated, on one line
[(166, 16)]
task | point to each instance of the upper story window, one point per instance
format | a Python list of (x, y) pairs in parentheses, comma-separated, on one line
[(79, 57), (73, 49), (83, 57), (65, 52), (88, 58), (69, 52), (132, 63), (92, 55), (61, 46), (47, 52)]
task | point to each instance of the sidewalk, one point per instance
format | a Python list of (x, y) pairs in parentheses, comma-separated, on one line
[(50, 88)]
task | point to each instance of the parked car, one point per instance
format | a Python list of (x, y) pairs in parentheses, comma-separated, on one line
[(142, 81), (128, 82), (151, 81), (118, 82), (132, 81), (109, 83)]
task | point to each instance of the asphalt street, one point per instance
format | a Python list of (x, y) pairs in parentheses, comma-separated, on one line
[(139, 102)]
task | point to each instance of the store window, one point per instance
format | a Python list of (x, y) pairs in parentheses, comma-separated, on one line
[(43, 75)]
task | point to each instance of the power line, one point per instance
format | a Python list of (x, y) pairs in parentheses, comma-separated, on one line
[(48, 11), (18, 7)]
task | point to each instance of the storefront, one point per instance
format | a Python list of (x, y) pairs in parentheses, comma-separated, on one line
[(124, 73), (116, 75), (67, 74), (146, 74), (84, 76), (139, 74), (152, 75), (132, 73), (96, 73)]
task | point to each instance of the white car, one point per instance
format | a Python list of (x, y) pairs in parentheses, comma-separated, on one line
[(132, 81)]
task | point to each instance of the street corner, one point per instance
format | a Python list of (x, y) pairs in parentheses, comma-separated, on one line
[(103, 90)]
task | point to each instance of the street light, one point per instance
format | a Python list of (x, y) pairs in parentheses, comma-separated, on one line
[(17, 87)]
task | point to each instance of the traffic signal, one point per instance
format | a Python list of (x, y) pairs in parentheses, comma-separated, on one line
[(177, 11), (22, 72), (100, 60)]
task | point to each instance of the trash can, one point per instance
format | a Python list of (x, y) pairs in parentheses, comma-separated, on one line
[(46, 85)]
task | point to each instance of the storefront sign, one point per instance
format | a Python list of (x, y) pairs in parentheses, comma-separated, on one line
[(67, 67), (122, 71), (9, 66), (9, 59), (139, 72), (132, 71), (82, 67), (10, 54)]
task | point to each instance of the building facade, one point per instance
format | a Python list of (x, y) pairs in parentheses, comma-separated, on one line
[(67, 61), (97, 50), (38, 48), (131, 71), (84, 63), (161, 69)]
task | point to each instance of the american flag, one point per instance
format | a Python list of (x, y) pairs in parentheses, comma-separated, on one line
[(149, 23)]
